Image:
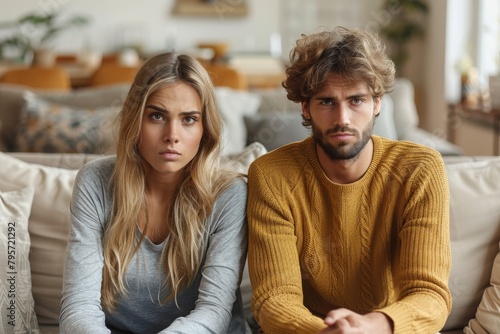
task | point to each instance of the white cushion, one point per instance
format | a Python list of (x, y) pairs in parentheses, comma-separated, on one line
[(48, 227), (405, 110), (16, 301), (487, 318), (241, 161), (474, 232), (233, 105)]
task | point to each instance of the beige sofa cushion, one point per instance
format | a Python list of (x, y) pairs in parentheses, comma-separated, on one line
[(48, 228), (475, 233), (16, 300)]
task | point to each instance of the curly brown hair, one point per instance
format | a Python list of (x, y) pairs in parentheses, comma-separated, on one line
[(356, 55)]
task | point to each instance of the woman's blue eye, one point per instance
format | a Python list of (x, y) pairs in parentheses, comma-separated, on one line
[(157, 116), (190, 119)]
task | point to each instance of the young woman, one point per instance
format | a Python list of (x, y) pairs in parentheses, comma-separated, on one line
[(158, 236)]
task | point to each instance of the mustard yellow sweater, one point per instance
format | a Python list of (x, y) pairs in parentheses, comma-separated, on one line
[(380, 243)]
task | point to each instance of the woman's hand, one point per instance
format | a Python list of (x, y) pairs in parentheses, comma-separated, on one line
[(344, 321)]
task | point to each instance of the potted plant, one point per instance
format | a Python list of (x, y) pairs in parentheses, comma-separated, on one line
[(407, 22), (29, 37)]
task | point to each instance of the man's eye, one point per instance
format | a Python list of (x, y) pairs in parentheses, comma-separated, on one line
[(327, 102), (357, 101)]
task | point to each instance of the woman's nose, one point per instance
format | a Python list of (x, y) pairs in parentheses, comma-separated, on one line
[(171, 134)]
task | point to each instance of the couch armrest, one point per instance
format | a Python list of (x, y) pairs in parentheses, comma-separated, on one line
[(426, 138)]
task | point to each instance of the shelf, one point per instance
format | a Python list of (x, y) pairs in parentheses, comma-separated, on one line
[(219, 8)]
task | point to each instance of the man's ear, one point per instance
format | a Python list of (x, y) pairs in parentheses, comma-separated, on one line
[(377, 103), (305, 110)]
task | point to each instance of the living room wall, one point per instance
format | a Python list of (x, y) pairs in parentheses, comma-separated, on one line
[(152, 24), (155, 27)]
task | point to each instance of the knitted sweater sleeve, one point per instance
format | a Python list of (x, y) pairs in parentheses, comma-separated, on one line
[(273, 261), (421, 270)]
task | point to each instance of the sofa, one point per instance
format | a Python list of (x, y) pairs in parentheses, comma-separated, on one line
[(39, 162), (80, 121)]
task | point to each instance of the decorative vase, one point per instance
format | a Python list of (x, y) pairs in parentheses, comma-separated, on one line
[(494, 87), (44, 58)]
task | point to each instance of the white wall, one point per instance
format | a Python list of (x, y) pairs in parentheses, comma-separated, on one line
[(153, 24), (114, 22)]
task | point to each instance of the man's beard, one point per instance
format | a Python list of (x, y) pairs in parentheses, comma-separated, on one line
[(343, 151)]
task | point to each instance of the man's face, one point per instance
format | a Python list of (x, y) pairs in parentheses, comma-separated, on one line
[(342, 116)]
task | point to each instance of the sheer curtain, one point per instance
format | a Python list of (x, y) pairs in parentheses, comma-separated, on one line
[(488, 38)]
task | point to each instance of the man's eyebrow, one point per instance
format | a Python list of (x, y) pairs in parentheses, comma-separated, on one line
[(334, 98)]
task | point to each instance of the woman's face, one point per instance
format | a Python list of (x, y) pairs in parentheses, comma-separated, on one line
[(171, 128)]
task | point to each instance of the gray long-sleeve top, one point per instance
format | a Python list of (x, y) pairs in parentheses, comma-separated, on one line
[(212, 304)]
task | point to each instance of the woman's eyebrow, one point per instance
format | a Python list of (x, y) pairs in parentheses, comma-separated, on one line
[(165, 111), (156, 108)]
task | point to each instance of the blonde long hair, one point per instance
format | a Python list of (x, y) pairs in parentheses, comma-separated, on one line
[(203, 181)]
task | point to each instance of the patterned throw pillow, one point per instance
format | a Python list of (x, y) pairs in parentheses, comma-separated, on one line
[(55, 128), (16, 300)]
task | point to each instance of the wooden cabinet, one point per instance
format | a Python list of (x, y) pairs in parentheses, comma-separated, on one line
[(475, 130)]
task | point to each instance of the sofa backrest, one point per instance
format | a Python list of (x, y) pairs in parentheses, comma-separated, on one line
[(474, 231)]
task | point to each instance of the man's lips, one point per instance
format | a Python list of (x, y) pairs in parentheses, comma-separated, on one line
[(340, 135)]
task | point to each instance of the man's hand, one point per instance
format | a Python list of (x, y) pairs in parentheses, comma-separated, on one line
[(344, 321)]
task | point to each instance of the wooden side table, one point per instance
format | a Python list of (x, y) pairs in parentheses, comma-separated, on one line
[(485, 115)]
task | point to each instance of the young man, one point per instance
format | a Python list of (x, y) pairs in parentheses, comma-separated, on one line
[(348, 230)]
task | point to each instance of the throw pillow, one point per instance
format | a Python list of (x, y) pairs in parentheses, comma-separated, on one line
[(16, 301), (90, 98), (233, 105), (274, 129), (474, 233), (487, 318), (48, 228), (241, 161), (54, 128)]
